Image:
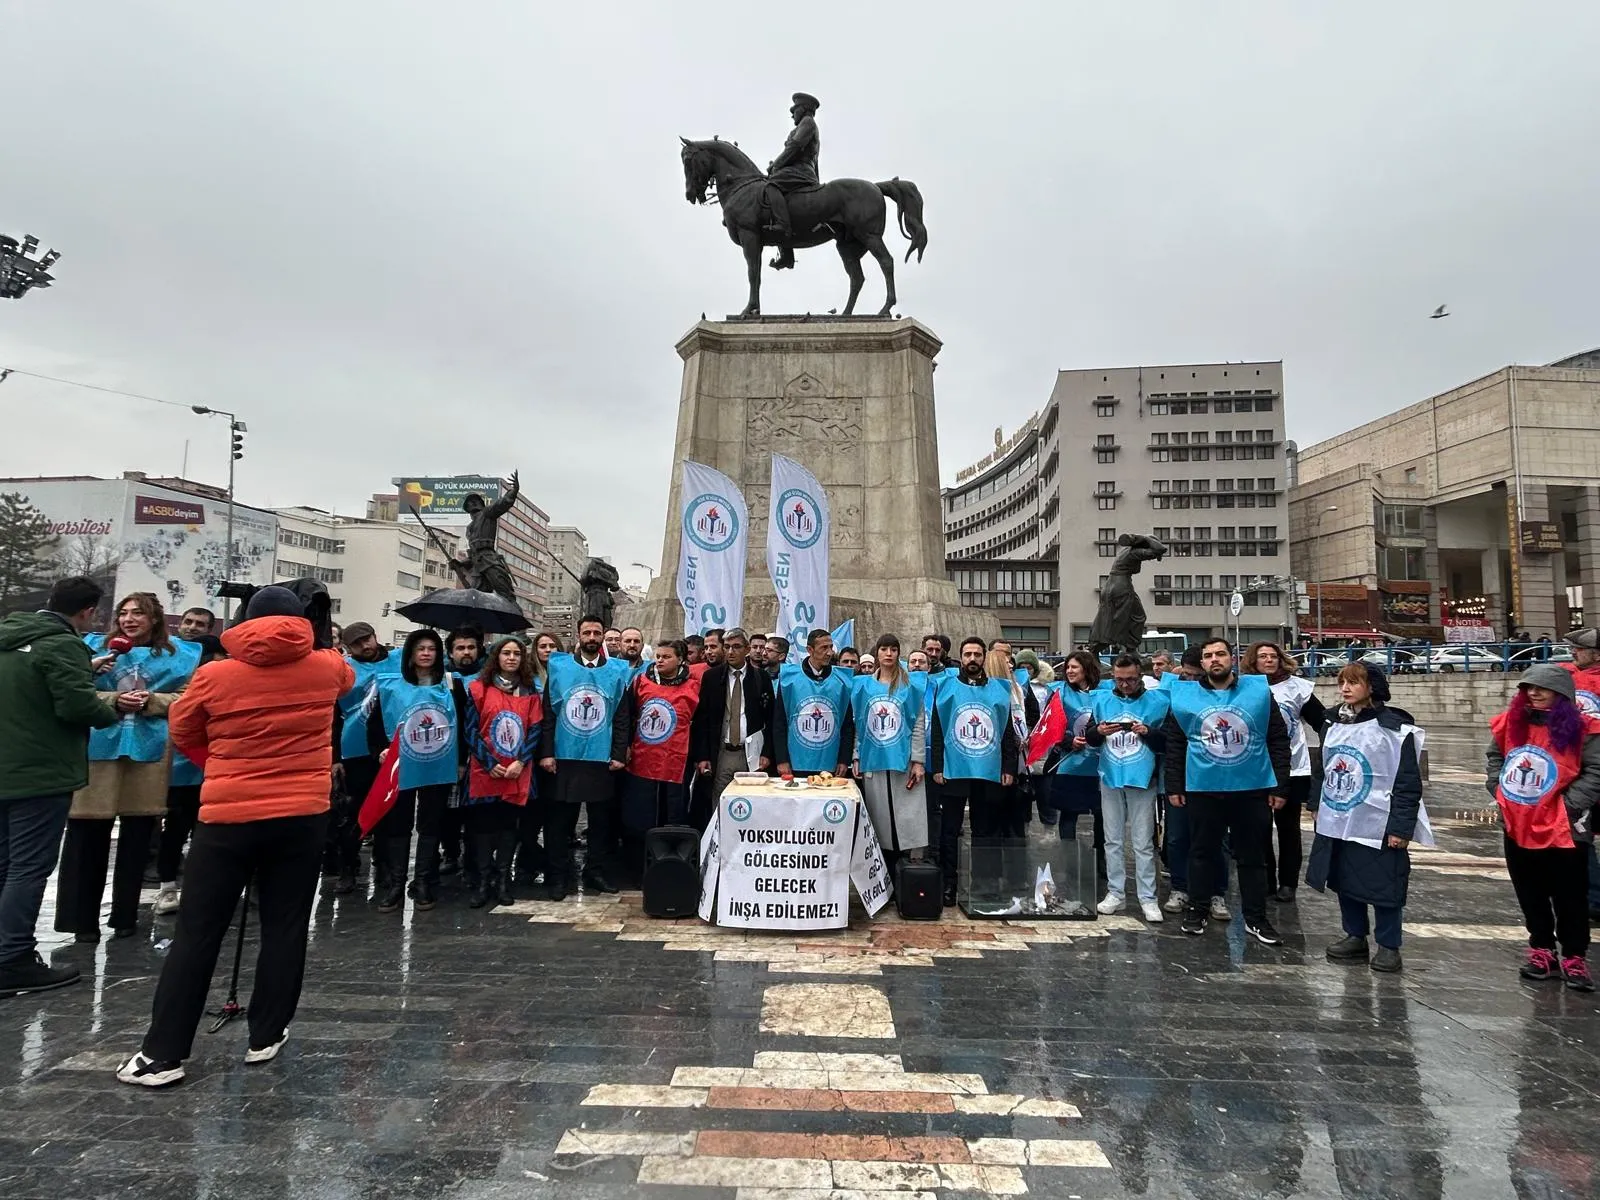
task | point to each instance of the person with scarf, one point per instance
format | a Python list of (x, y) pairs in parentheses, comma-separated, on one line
[(891, 746), (1368, 811), (1296, 699), (1074, 786), (130, 765), (1544, 772), (503, 714), (662, 701), (531, 820), (414, 714)]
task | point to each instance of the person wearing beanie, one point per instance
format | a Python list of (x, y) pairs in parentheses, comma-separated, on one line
[(1543, 764), (1368, 811), (1585, 670), (260, 725)]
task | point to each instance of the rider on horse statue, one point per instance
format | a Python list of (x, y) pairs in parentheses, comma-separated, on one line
[(794, 170)]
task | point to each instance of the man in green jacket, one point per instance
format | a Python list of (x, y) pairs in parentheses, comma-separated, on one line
[(48, 704)]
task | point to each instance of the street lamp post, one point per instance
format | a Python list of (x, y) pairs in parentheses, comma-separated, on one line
[(236, 431), (1316, 555), (19, 270)]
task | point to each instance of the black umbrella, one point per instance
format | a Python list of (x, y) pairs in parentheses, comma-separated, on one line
[(451, 608)]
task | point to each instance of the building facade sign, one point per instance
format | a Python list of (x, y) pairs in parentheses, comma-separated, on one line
[(156, 510), (1540, 537), (445, 494)]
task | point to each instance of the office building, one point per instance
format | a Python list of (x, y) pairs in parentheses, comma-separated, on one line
[(1462, 517), (1193, 454)]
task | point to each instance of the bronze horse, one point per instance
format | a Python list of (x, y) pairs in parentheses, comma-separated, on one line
[(850, 212)]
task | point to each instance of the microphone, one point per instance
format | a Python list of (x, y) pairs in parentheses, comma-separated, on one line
[(118, 645)]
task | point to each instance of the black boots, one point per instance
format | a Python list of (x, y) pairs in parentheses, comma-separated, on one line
[(484, 883), (427, 872), (391, 855)]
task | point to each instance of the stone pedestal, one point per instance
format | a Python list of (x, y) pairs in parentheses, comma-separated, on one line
[(851, 399)]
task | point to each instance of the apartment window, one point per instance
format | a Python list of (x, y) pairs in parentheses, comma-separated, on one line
[(1225, 532), (1180, 439), (1264, 435), (1202, 533), (1160, 502), (1158, 408), (1403, 562), (1181, 533), (1106, 534), (1247, 531), (1201, 454), (1201, 437), (1267, 483), (1180, 502), (1264, 405), (1183, 485), (1247, 501), (1105, 456), (408, 551), (1105, 439), (1106, 503), (1200, 485), (407, 580), (1102, 409), (1199, 407), (1160, 485), (1180, 408), (1224, 485), (1105, 487), (1224, 435), (1161, 533), (1266, 501), (1224, 453), (1228, 549), (1160, 439), (1160, 455), (1223, 406), (1411, 474), (1245, 485)]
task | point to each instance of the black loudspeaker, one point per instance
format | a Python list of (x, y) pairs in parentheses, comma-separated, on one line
[(671, 871), (918, 890)]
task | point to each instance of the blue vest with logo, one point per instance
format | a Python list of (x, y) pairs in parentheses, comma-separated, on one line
[(425, 715), (137, 737), (973, 722), (585, 701), (815, 712), (184, 772), (1227, 733), (1125, 760), (1079, 708), (884, 721), (353, 704)]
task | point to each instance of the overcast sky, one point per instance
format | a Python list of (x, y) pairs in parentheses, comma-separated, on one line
[(418, 237)]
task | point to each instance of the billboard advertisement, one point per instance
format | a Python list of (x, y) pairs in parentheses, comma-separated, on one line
[(444, 494), (135, 536)]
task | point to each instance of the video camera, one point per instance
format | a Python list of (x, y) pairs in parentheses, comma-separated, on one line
[(312, 593)]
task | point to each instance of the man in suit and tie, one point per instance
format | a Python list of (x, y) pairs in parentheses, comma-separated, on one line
[(735, 705)]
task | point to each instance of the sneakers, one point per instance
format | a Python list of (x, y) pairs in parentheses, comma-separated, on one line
[(143, 1071), (23, 976), (266, 1053), (1386, 960), (1575, 971), (1219, 909), (1348, 949), (1177, 902), (1112, 903), (166, 900), (1194, 923), (1541, 964), (1152, 911), (1261, 929)]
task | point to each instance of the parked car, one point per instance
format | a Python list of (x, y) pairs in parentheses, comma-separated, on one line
[(1464, 657), (1534, 654)]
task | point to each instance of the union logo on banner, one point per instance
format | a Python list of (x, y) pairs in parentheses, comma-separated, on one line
[(835, 811), (815, 722), (1124, 744), (657, 720), (973, 728), (1529, 775), (427, 731), (799, 518), (1588, 703), (884, 722), (1346, 779), (711, 523), (584, 710), (1224, 733)]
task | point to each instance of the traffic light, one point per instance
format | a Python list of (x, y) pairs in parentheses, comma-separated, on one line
[(238, 428)]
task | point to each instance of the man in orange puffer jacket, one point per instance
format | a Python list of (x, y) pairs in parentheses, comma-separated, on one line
[(261, 724)]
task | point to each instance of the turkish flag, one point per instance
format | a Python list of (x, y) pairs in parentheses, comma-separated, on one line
[(1047, 734), (385, 788)]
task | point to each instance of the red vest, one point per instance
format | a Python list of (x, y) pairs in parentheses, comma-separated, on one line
[(503, 720), (661, 728), (1587, 682), (698, 669), (1533, 783)]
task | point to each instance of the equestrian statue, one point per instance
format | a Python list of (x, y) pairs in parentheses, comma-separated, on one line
[(790, 207)]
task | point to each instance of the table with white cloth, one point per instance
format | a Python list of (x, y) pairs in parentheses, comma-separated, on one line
[(780, 858)]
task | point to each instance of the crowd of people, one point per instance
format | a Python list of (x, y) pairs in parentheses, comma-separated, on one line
[(265, 757)]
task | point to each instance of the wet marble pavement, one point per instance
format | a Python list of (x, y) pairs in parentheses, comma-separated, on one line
[(582, 1050)]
